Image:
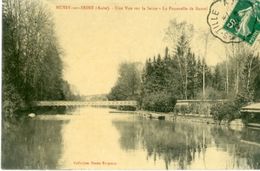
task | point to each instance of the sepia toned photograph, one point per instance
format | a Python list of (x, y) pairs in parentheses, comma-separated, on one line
[(129, 84)]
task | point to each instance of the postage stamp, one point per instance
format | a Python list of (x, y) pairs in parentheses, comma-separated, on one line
[(233, 21), (244, 20), (218, 13)]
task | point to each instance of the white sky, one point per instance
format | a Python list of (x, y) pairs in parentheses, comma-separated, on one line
[(96, 42)]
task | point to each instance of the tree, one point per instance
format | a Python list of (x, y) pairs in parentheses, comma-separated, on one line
[(218, 82), (179, 35), (128, 84), (182, 51), (191, 75), (32, 64), (198, 76)]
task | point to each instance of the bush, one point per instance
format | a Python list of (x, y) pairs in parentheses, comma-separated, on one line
[(159, 102), (127, 108), (12, 102), (193, 108), (221, 111), (228, 110), (183, 109), (211, 94)]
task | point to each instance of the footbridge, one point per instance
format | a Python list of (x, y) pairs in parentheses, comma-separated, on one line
[(85, 103)]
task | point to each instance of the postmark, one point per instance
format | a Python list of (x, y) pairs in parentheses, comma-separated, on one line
[(218, 14), (244, 20)]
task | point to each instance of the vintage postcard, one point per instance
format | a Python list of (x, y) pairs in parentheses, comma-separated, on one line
[(129, 84)]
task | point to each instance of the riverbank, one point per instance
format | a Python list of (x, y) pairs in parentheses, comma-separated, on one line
[(236, 124), (176, 117), (195, 118)]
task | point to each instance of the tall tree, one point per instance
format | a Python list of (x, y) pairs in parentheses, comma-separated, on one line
[(128, 85), (178, 35), (32, 64)]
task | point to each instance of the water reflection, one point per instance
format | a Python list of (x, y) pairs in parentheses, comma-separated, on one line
[(92, 135), (187, 145), (31, 144), (163, 140)]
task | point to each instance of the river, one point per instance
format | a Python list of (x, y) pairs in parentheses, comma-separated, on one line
[(93, 138)]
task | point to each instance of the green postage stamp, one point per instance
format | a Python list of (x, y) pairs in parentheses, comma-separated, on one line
[(244, 20)]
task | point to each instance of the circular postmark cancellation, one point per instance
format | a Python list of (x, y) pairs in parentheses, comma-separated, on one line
[(217, 16), (233, 21)]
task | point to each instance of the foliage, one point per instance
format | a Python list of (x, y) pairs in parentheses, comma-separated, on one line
[(159, 102), (193, 108), (212, 94), (242, 67), (222, 111), (32, 64), (179, 74), (229, 110), (166, 74), (183, 109), (11, 101), (128, 84), (127, 108)]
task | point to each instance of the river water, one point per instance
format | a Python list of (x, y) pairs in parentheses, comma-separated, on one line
[(93, 138)]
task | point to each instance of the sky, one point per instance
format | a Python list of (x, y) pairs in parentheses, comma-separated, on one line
[(95, 42)]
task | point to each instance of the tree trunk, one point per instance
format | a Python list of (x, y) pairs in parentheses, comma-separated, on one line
[(227, 84), (249, 74), (237, 78), (186, 79), (181, 73), (205, 55)]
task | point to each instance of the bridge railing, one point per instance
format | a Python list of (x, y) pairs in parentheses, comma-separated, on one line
[(113, 103), (202, 101), (85, 103)]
